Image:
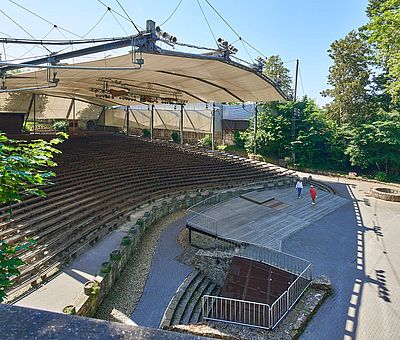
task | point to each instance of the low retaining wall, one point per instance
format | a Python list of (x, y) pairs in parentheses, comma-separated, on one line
[(96, 290)]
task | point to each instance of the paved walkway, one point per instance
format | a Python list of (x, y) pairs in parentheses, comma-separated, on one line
[(66, 287), (357, 246), (165, 276)]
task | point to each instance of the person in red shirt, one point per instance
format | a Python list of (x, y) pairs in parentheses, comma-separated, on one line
[(313, 194)]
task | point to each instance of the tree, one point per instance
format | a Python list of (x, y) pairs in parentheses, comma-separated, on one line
[(23, 170), (275, 69), (384, 34), (349, 78), (377, 144), (273, 130)]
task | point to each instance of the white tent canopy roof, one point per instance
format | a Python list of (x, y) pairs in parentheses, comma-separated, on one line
[(164, 78)]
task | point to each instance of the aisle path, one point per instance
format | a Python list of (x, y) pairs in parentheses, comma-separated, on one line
[(165, 277)]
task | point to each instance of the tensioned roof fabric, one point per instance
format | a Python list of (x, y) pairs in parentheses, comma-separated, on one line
[(164, 78)]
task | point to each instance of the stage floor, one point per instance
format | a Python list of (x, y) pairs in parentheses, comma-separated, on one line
[(268, 217)]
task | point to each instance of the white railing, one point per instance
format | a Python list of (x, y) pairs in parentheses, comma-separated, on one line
[(241, 311), (272, 257), (254, 313), (289, 297), (236, 311)]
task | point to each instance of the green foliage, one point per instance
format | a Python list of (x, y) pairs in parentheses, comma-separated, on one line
[(384, 34), (275, 69), (381, 176), (349, 78), (176, 137), (239, 139), (146, 133), (377, 144), (61, 126), (9, 264), (206, 141), (319, 142), (23, 166)]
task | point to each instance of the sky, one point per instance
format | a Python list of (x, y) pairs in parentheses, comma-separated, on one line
[(291, 29)]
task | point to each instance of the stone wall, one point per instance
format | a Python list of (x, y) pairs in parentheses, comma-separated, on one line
[(387, 194), (214, 264)]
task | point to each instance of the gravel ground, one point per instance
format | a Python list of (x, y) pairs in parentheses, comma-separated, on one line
[(133, 278)]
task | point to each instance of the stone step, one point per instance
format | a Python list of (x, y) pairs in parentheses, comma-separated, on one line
[(196, 316), (170, 310), (194, 300), (215, 292), (196, 284)]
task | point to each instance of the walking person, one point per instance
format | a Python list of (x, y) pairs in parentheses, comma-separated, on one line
[(299, 187), (313, 194)]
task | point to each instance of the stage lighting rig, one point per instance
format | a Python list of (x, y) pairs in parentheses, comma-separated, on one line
[(226, 48), (166, 37)]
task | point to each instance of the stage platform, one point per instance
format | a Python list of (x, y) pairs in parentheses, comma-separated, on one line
[(268, 217)]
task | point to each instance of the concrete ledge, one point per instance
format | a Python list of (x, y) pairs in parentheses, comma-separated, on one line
[(26, 323)]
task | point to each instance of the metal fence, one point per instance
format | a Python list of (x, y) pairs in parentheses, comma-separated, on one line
[(241, 311), (254, 313)]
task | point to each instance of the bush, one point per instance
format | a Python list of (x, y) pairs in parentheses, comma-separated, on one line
[(146, 133), (206, 141), (381, 176), (176, 137), (61, 126), (239, 139)]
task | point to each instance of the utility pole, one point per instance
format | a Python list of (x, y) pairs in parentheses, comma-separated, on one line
[(213, 127), (34, 113), (151, 121), (255, 129), (294, 113), (127, 120), (181, 125)]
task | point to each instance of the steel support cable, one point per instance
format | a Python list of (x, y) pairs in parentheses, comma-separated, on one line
[(116, 19), (13, 38), (112, 10), (208, 24), (95, 25), (123, 9), (42, 18), (233, 30), (35, 46), (171, 15), (16, 23)]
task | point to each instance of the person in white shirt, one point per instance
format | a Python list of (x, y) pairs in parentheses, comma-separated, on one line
[(299, 187)]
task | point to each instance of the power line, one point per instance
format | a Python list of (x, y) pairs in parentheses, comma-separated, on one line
[(42, 18), (301, 82), (137, 29), (173, 12), (208, 24)]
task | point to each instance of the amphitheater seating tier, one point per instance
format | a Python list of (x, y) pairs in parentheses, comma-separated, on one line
[(100, 178)]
